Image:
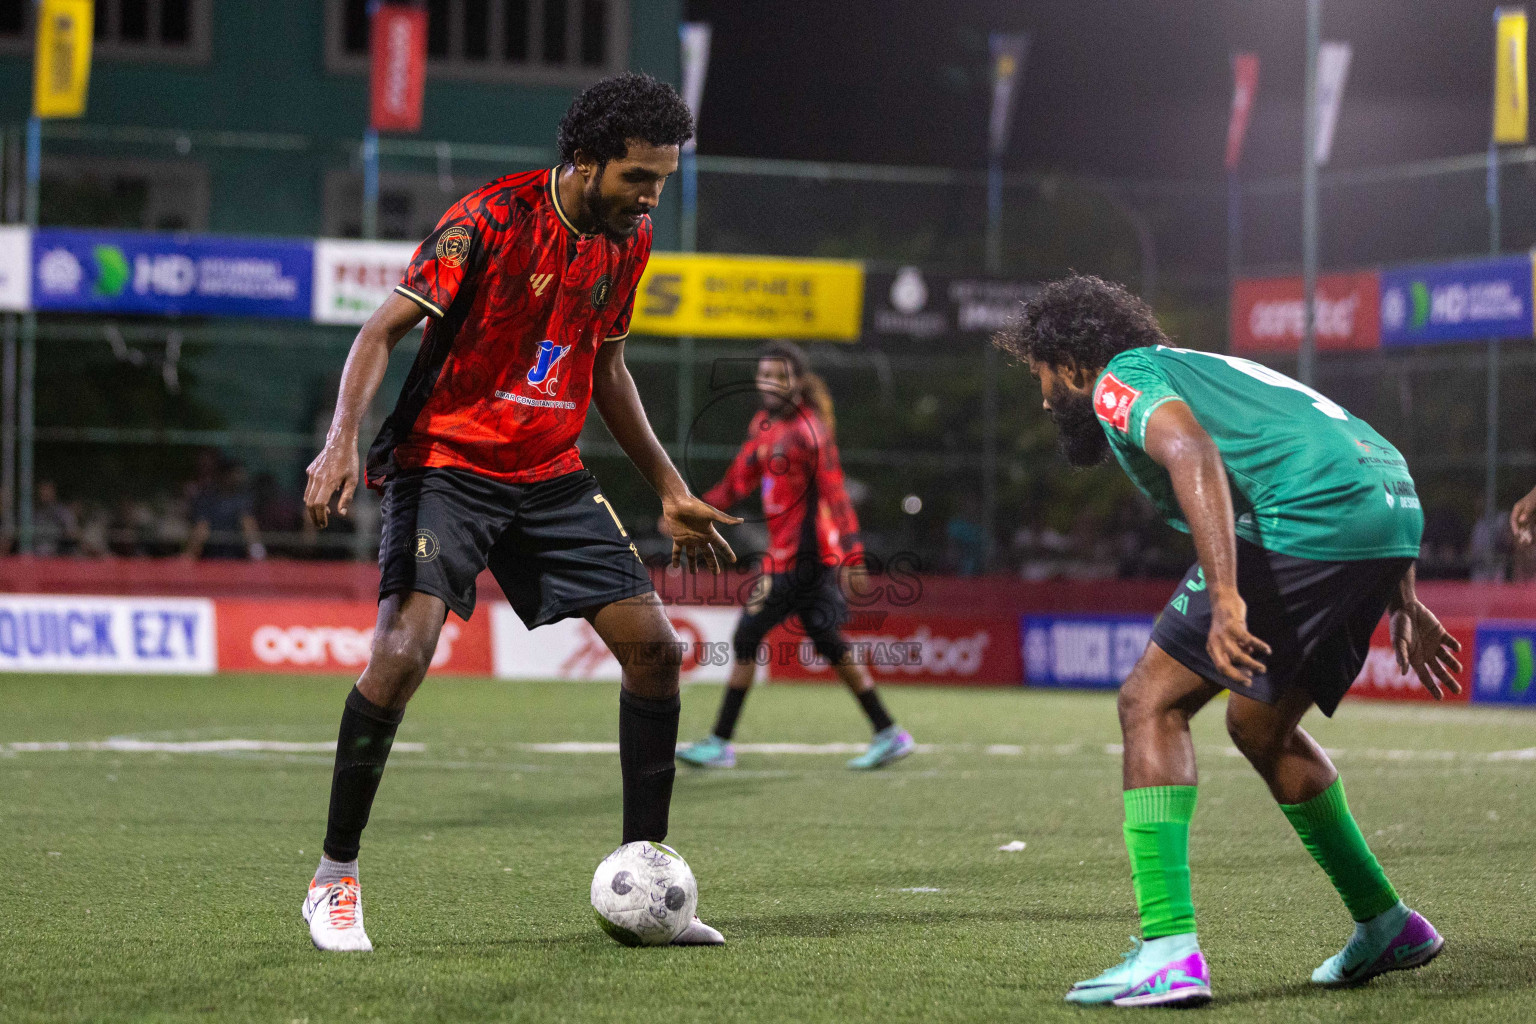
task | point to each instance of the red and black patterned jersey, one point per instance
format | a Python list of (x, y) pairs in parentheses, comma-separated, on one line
[(794, 460), (518, 302)]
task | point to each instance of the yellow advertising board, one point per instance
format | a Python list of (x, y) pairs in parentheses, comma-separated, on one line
[(62, 68), (1511, 110), (710, 296)]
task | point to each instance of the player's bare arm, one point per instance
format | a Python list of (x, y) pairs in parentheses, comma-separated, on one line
[(1177, 442), (690, 521), (1421, 642), (337, 467), (1522, 520)]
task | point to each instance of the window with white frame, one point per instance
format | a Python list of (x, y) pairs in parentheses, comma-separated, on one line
[(536, 41)]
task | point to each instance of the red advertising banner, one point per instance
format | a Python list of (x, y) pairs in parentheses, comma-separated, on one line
[(331, 636), (1267, 313), (398, 79), (1380, 679), (1245, 85)]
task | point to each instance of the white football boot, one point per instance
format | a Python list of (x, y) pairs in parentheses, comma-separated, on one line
[(335, 916), (699, 934)]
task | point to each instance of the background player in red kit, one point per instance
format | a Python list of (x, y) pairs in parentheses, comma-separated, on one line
[(813, 549), (529, 284)]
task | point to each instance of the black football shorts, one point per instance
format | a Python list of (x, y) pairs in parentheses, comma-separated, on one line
[(810, 592), (556, 547), (1316, 616)]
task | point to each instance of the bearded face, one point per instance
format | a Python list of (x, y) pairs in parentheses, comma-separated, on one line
[(1082, 439)]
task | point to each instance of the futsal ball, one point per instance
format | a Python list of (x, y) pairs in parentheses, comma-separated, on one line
[(644, 894)]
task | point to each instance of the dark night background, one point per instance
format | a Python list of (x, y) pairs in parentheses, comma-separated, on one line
[(1128, 89)]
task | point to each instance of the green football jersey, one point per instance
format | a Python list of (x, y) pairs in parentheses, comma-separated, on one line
[(1308, 479)]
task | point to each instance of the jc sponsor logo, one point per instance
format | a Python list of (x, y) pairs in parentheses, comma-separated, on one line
[(543, 375), (539, 282)]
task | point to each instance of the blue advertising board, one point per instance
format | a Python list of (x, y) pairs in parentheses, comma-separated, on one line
[(1470, 300), (1506, 663), (1082, 651), (165, 274)]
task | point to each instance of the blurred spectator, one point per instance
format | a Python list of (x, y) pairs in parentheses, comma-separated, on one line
[(95, 529), (55, 527), (1488, 547), (223, 518), (281, 519), (966, 545), (172, 527)]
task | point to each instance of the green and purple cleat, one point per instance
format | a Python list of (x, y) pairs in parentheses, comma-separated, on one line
[(1168, 971), (890, 744), (712, 752), (1397, 940)]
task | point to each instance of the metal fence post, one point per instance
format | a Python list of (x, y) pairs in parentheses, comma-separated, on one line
[(8, 433)]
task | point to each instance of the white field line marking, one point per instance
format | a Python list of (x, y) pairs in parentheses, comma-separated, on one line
[(123, 745), (128, 745), (1042, 750)]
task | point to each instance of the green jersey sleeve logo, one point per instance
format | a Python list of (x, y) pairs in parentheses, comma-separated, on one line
[(1112, 400)]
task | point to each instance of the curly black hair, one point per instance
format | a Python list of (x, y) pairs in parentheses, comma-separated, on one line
[(1082, 318), (606, 115)]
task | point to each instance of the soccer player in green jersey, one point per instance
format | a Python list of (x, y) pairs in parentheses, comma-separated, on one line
[(1306, 524)]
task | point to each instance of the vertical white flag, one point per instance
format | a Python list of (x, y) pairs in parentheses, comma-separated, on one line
[(1332, 70), (694, 36)]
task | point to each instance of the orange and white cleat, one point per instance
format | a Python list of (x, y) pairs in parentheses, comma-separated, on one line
[(335, 916)]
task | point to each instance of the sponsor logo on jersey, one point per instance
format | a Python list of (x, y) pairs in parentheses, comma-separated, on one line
[(602, 291), (453, 246), (540, 282), (1113, 399), (1401, 493), (544, 374)]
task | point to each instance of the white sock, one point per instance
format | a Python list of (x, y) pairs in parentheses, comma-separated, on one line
[(334, 870)]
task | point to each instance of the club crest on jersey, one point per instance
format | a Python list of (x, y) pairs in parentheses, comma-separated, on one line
[(453, 245), (543, 374), (1112, 400), (602, 291)]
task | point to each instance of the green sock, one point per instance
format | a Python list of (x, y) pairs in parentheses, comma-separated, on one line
[(1330, 834), (1157, 837)]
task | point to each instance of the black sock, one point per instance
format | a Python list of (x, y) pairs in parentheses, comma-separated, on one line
[(879, 718), (362, 747), (647, 742), (730, 710)]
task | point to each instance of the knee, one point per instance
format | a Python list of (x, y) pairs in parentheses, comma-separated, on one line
[(400, 659), (1136, 705), (745, 645), (653, 669), (1256, 740)]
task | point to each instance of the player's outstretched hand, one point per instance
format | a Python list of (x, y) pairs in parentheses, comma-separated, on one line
[(1234, 651), (691, 524), (336, 467), (1522, 520), (1423, 645)]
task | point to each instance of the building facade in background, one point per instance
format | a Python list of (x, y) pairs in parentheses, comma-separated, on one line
[(212, 115)]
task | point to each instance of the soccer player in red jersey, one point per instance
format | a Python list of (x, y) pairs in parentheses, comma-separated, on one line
[(529, 285), (813, 553)]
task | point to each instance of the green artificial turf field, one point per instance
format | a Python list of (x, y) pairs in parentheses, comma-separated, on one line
[(165, 886)]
